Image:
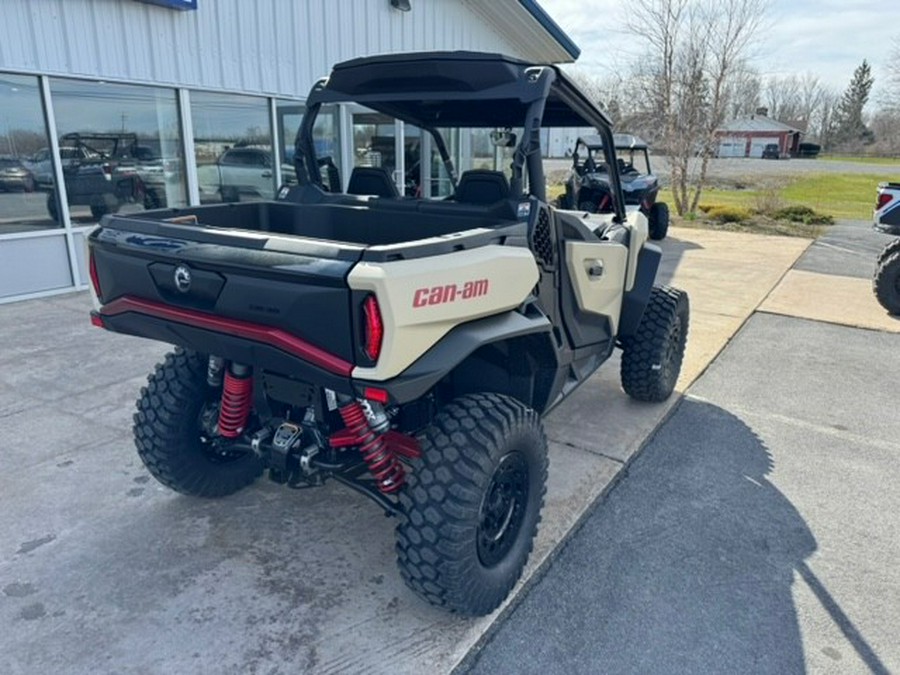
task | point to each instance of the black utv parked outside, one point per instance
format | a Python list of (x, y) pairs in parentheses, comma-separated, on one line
[(588, 185)]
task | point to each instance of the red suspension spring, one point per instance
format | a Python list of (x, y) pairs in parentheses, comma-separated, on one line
[(237, 399), (383, 465)]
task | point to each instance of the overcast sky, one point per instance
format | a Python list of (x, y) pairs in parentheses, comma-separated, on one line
[(827, 37)]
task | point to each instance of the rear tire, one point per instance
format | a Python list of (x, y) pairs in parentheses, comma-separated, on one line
[(472, 503), (103, 204), (652, 357), (886, 283), (658, 221), (170, 438)]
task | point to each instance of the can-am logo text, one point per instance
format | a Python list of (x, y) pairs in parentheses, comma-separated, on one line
[(438, 295)]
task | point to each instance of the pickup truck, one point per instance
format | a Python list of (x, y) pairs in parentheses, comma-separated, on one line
[(886, 281), (404, 347), (241, 172)]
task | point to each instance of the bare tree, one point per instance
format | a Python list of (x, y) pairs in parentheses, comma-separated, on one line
[(891, 92), (744, 92), (783, 97), (800, 99), (813, 95), (696, 49)]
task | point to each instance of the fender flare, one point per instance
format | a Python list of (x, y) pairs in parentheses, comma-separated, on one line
[(635, 301), (453, 349)]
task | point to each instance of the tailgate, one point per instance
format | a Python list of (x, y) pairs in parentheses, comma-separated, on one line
[(285, 291)]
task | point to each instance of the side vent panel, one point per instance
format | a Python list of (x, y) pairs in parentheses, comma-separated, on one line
[(542, 241)]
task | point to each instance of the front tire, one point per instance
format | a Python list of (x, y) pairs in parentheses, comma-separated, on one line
[(889, 250), (658, 221), (652, 357), (169, 435), (886, 283), (472, 503)]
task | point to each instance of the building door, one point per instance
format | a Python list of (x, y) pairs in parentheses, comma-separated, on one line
[(732, 146), (757, 145)]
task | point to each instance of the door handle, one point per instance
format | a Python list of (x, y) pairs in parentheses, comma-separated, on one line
[(266, 174)]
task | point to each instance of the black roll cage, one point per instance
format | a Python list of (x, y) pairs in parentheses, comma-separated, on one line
[(461, 89)]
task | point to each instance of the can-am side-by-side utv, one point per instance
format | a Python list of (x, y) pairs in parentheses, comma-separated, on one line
[(406, 347)]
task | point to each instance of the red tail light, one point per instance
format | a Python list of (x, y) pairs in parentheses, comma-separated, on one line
[(883, 199), (373, 327), (92, 270)]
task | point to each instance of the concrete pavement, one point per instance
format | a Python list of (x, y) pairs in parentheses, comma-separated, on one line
[(104, 571)]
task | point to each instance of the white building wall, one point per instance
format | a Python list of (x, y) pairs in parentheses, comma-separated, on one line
[(250, 46)]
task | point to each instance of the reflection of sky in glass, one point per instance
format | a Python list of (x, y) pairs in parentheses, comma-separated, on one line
[(226, 117), (20, 111), (102, 107)]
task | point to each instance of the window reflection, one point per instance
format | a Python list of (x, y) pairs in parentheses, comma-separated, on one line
[(233, 147), (325, 136), (23, 155), (120, 148)]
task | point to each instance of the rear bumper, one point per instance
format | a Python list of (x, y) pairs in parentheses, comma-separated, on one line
[(242, 341), (280, 352)]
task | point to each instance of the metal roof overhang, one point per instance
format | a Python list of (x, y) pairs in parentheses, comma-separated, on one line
[(528, 24)]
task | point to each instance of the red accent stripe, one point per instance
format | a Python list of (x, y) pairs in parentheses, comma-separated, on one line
[(245, 329)]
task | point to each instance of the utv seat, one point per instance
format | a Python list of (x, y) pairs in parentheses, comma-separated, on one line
[(372, 180), (482, 187)]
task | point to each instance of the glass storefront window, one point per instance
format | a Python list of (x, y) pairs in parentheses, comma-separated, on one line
[(120, 147), (233, 147), (26, 174), (325, 135)]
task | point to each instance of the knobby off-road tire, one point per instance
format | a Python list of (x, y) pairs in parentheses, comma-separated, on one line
[(658, 221), (886, 283), (651, 358), (472, 503), (169, 437), (889, 250)]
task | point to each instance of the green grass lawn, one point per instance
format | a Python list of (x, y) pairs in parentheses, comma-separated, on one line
[(840, 195), (890, 161)]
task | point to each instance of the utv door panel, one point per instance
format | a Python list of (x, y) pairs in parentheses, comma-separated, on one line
[(597, 272)]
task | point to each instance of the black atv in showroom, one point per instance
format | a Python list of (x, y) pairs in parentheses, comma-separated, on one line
[(587, 187)]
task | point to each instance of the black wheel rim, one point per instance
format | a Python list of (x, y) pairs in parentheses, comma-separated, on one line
[(503, 509), (670, 360)]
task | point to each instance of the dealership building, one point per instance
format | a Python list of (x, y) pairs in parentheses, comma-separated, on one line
[(121, 105)]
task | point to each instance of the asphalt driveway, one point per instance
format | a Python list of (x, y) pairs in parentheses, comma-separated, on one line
[(757, 532)]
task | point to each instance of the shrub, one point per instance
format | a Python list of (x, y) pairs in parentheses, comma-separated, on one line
[(768, 200), (728, 214), (803, 214)]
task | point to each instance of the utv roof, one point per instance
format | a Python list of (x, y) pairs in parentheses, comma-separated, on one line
[(459, 89), (622, 141)]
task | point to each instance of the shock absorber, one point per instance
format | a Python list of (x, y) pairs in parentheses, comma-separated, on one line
[(382, 463), (237, 400)]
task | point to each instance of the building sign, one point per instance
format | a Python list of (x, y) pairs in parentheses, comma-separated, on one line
[(173, 4)]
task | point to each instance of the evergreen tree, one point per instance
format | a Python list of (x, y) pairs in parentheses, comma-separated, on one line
[(848, 127)]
